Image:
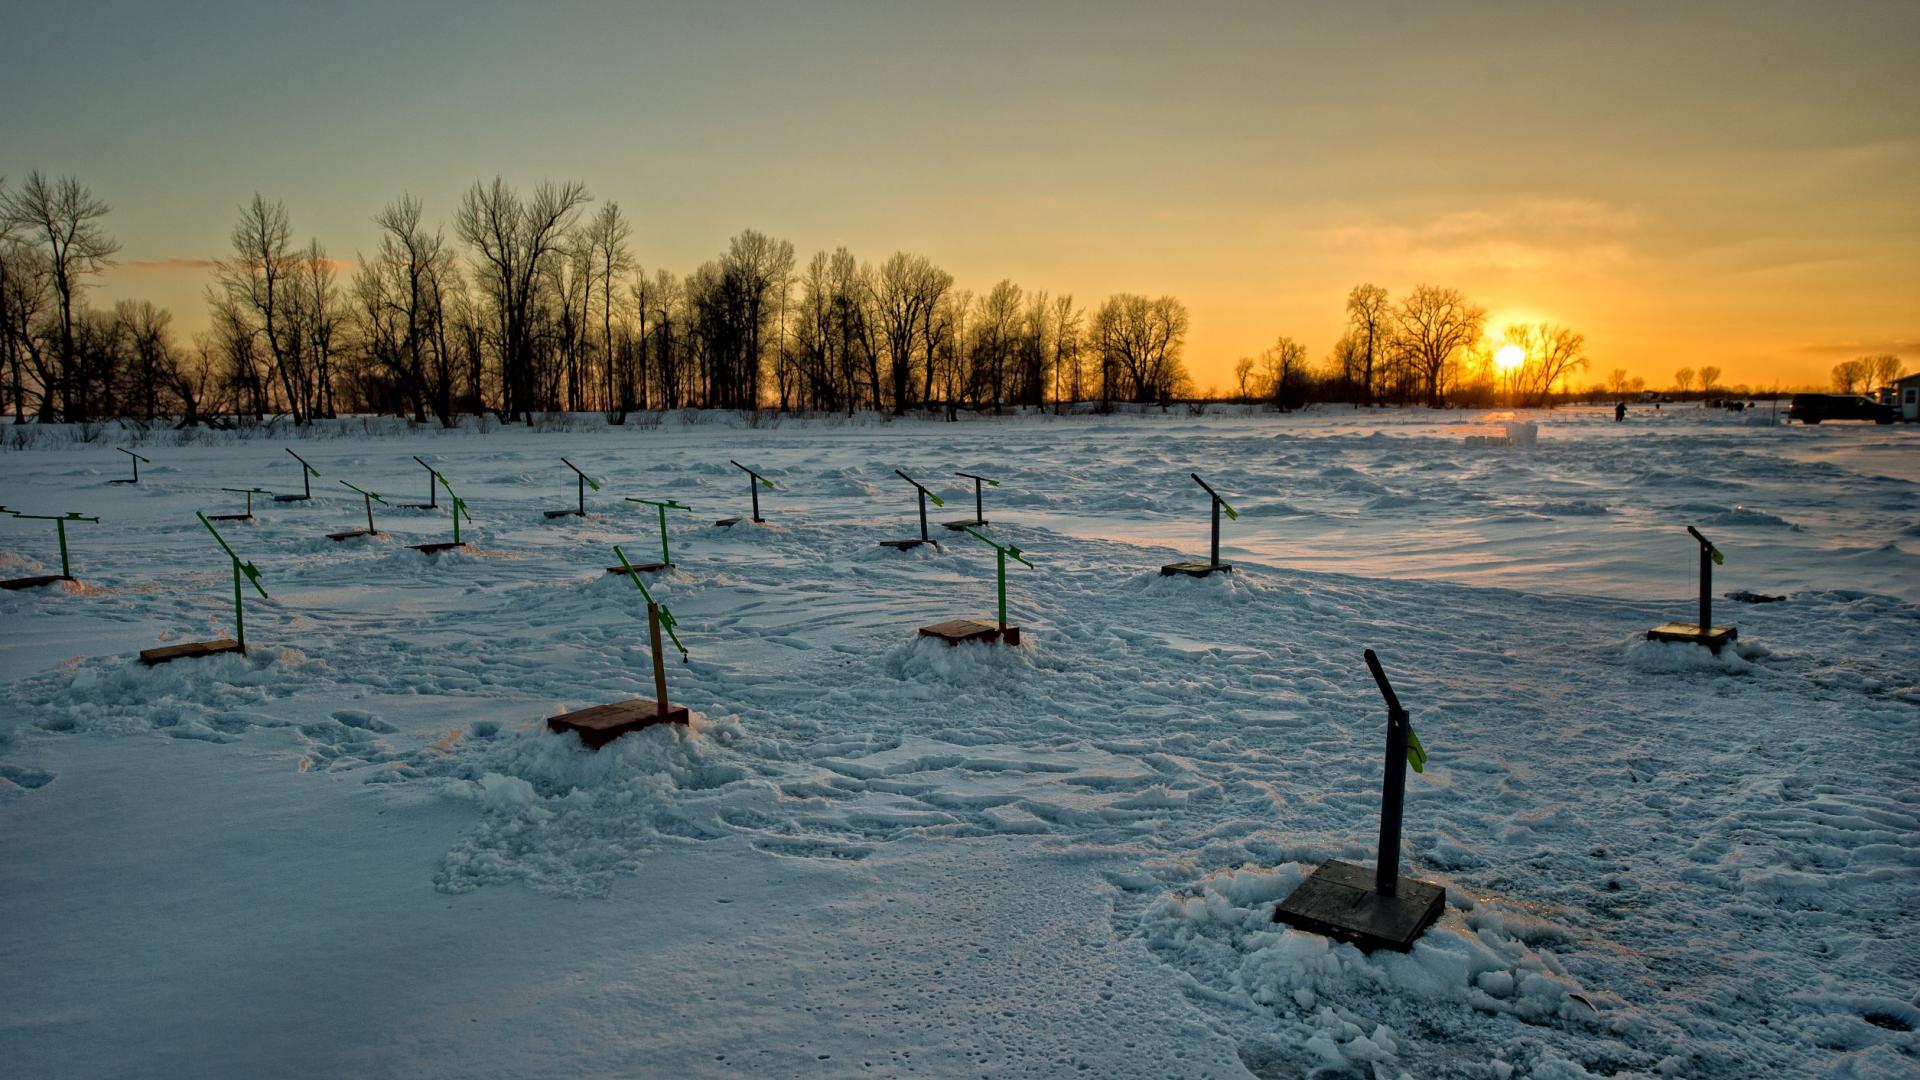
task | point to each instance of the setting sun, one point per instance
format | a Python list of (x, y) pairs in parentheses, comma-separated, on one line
[(1509, 357)]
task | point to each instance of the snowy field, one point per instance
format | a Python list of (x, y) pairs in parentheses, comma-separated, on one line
[(358, 852)]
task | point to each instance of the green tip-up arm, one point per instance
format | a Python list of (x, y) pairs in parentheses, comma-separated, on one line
[(375, 496), (60, 524), (666, 617), (664, 504), (311, 471), (131, 454), (764, 482), (591, 482), (1005, 549), (1714, 552), (1001, 554), (247, 568), (70, 516), (248, 491), (459, 504), (1232, 514)]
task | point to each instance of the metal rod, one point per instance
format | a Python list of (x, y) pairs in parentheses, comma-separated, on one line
[(980, 512), (433, 495), (665, 556), (1216, 532), (368, 499), (62, 526), (239, 612), (659, 665), (923, 515), (753, 488), (1001, 558), (1706, 591), (1393, 786), (583, 494)]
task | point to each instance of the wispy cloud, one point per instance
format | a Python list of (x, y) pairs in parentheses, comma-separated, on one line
[(1524, 235), (174, 265)]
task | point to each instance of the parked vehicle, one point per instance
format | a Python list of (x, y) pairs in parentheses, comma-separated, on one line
[(1813, 408)]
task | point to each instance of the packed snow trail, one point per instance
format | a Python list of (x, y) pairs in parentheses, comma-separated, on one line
[(1059, 857)]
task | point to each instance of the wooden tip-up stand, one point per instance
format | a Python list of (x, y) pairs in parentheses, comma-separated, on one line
[(1703, 632), (666, 555), (754, 483), (235, 644), (955, 631), (457, 509), (1375, 909), (585, 483), (66, 567), (134, 460), (979, 503), (369, 498), (1213, 563), (248, 514), (433, 489), (601, 724), (307, 472), (903, 545)]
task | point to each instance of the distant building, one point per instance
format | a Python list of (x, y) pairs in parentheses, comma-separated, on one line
[(1905, 396)]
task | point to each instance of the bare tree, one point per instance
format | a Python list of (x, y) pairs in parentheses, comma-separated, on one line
[(1709, 375), (606, 246), (1552, 353), (1285, 363), (1850, 376), (65, 218), (1369, 314), (512, 239), (1882, 369), (257, 284), (906, 290), (1683, 379), (1142, 339), (1437, 324)]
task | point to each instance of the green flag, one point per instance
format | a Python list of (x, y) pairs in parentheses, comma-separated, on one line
[(1416, 754)]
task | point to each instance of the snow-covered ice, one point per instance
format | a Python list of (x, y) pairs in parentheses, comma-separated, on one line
[(358, 851)]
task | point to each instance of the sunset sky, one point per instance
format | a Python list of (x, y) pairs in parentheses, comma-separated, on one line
[(1730, 184)]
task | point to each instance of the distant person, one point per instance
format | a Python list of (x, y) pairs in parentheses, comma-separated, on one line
[(1619, 411)]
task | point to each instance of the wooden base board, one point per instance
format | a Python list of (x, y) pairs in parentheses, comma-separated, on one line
[(956, 526), (418, 506), (229, 517), (435, 549), (728, 523), (1714, 637), (565, 513), (955, 631), (907, 545), (1194, 569), (190, 650), (291, 498), (1338, 901), (123, 480), (643, 567), (350, 534), (601, 724), (32, 582)]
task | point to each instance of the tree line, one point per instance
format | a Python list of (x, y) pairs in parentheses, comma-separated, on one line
[(525, 302), (1431, 346)]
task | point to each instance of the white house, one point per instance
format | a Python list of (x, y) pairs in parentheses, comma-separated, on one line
[(1906, 396)]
